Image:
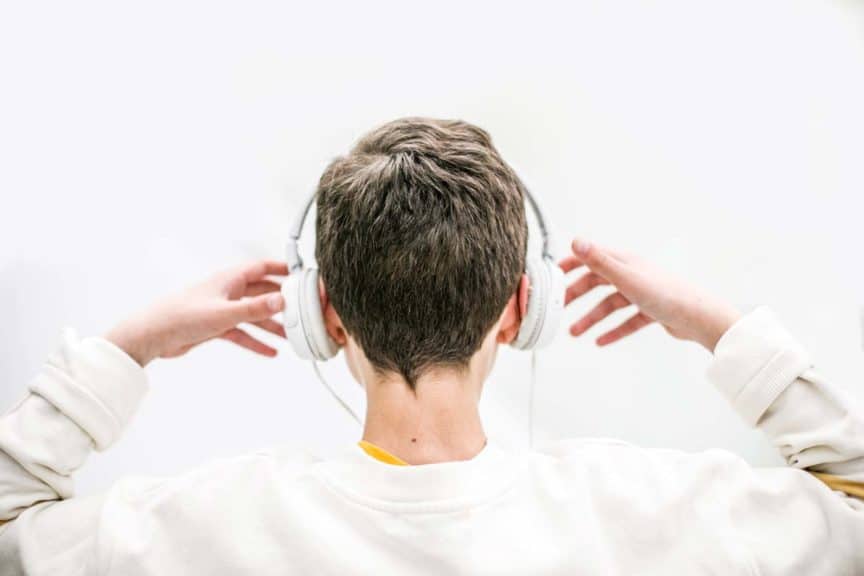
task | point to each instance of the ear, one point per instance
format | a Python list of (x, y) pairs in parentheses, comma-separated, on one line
[(514, 312), (332, 322)]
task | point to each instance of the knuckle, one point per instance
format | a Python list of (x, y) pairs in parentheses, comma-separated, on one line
[(254, 307)]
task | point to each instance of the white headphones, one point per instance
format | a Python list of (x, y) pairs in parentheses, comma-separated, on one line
[(304, 321)]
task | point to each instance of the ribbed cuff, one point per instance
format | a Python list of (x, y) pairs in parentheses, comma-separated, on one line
[(95, 384), (754, 362)]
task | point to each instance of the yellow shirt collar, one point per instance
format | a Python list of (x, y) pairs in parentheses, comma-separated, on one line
[(380, 454)]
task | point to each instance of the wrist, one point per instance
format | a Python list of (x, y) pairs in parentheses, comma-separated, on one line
[(716, 325), (134, 342)]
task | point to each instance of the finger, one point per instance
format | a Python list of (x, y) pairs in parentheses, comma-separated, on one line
[(636, 322), (600, 261), (262, 287), (570, 263), (574, 262), (582, 286), (258, 270), (271, 326), (604, 308), (254, 309), (241, 338)]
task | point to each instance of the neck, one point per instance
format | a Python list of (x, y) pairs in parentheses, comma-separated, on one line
[(438, 423)]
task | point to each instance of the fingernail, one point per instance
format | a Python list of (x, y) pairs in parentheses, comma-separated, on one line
[(274, 302), (581, 246)]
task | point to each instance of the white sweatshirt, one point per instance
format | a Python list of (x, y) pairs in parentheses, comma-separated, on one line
[(579, 507)]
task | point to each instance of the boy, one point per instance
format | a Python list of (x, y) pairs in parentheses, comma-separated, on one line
[(421, 241)]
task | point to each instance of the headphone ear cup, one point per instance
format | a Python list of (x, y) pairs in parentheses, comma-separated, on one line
[(303, 318), (545, 304)]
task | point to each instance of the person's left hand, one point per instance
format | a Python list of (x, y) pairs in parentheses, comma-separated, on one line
[(212, 309)]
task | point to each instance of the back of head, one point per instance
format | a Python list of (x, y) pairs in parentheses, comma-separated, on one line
[(421, 239)]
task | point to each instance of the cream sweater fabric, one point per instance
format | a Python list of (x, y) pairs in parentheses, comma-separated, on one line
[(580, 506)]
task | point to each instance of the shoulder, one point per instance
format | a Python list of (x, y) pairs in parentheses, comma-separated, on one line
[(142, 519), (604, 463), (621, 453), (218, 484), (624, 470)]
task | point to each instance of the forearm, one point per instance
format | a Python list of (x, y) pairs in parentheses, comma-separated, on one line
[(81, 400)]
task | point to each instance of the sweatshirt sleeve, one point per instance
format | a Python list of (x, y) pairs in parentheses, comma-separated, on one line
[(807, 517), (82, 399), (770, 381)]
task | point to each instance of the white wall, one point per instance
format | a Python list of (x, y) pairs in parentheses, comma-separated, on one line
[(143, 146)]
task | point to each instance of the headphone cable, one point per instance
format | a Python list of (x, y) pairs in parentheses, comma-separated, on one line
[(531, 399), (333, 393)]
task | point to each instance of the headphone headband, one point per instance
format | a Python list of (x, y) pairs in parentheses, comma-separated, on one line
[(295, 261), (542, 222), (293, 258)]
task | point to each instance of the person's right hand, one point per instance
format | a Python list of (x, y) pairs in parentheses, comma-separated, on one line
[(684, 311), (212, 309)]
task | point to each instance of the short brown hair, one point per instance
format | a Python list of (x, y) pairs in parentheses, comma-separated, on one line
[(421, 238)]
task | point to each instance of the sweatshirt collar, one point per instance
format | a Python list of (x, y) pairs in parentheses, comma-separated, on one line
[(438, 486)]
